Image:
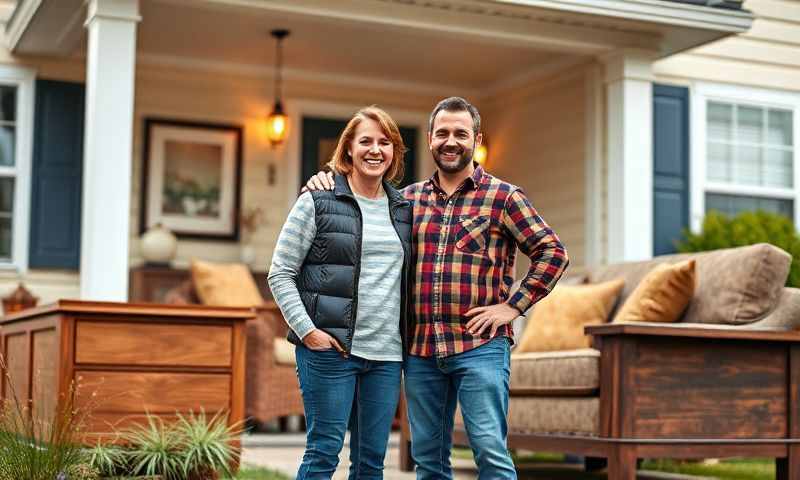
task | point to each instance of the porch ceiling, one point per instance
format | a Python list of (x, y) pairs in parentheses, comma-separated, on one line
[(469, 45)]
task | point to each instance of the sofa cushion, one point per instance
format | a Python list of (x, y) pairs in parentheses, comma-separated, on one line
[(661, 296), (565, 373), (557, 321), (225, 284), (735, 286), (283, 352), (558, 415)]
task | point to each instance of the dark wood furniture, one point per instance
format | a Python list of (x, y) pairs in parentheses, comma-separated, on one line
[(128, 359), (677, 391), (152, 283)]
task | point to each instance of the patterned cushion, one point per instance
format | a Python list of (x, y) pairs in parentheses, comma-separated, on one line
[(735, 286), (570, 372)]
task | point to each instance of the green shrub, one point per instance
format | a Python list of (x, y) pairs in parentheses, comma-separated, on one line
[(207, 444), (39, 445), (155, 449), (746, 228)]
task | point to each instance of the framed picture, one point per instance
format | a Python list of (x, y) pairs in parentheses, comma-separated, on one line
[(191, 178)]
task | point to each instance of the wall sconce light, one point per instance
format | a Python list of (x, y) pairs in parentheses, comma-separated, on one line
[(278, 121), (481, 154)]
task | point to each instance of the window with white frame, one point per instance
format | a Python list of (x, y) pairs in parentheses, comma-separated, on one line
[(8, 168), (744, 155), (16, 129)]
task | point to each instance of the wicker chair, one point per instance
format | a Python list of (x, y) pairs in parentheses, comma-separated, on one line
[(271, 388)]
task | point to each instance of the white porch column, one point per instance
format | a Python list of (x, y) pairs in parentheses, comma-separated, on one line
[(629, 142), (108, 148)]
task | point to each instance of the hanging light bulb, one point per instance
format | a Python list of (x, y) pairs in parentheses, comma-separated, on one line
[(277, 121), (481, 153)]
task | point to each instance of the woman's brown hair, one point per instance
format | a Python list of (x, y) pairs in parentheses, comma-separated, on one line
[(342, 163)]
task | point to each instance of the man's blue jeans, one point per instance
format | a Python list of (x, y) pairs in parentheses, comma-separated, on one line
[(332, 387), (478, 381)]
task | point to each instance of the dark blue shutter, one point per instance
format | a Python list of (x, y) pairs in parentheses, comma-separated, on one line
[(57, 169), (670, 166)]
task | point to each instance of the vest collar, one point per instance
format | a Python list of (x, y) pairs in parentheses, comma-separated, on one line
[(341, 188)]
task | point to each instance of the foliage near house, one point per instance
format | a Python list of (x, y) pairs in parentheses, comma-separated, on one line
[(746, 228)]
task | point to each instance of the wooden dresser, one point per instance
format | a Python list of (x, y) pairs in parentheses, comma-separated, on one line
[(127, 359)]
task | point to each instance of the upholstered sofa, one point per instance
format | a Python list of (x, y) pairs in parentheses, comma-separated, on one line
[(722, 381)]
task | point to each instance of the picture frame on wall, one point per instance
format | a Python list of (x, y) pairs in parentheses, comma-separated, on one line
[(191, 178)]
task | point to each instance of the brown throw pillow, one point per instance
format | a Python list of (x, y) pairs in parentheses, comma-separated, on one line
[(225, 284), (661, 296), (557, 321)]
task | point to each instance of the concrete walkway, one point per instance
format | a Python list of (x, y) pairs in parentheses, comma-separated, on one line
[(283, 452)]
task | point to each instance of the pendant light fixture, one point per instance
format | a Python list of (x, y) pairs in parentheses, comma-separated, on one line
[(277, 122)]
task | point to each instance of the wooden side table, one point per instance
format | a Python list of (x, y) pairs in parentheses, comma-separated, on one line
[(128, 359)]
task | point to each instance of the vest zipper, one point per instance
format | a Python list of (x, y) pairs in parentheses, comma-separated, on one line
[(356, 275)]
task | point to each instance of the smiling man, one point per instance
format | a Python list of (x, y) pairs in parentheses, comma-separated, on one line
[(467, 228)]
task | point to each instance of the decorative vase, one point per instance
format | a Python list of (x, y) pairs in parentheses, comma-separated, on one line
[(158, 245)]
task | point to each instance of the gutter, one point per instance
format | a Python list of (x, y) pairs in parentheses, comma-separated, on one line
[(652, 11)]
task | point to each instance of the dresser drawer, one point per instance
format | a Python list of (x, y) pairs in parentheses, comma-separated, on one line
[(152, 344)]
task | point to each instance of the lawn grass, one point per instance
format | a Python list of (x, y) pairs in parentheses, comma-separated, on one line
[(259, 473), (732, 469)]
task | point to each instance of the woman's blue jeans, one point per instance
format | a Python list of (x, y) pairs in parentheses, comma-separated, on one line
[(333, 387)]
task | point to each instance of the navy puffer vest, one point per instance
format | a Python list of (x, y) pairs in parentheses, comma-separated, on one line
[(328, 280)]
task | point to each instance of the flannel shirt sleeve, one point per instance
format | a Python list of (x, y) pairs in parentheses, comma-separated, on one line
[(537, 240)]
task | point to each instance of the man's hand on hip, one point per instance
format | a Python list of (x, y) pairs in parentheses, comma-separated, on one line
[(320, 181), (492, 316)]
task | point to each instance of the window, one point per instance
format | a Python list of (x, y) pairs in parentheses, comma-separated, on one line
[(744, 155), (16, 116)]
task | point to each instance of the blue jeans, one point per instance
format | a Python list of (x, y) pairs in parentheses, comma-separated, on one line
[(334, 386), (478, 381)]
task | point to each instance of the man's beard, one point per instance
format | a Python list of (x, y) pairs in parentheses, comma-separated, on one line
[(464, 159)]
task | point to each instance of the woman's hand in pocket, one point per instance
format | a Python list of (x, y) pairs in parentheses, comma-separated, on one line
[(319, 340)]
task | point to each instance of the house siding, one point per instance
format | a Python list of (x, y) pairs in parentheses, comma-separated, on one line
[(766, 56), (535, 138)]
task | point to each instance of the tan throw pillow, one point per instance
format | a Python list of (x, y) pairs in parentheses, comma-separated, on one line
[(661, 296), (225, 284), (557, 321)]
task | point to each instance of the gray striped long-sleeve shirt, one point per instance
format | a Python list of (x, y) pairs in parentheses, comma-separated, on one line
[(377, 332)]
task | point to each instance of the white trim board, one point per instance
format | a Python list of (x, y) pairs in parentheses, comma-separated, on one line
[(700, 94)]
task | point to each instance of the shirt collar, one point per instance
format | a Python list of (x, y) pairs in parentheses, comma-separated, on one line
[(470, 182)]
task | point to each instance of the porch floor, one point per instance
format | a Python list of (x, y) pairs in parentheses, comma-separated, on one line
[(283, 452)]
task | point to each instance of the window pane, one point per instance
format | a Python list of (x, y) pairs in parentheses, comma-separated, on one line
[(747, 168), (8, 103), (720, 121), (778, 171), (719, 161), (733, 204), (779, 127), (750, 124), (5, 238), (6, 195), (7, 146)]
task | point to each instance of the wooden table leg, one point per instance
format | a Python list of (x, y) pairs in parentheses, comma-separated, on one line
[(788, 467), (622, 463)]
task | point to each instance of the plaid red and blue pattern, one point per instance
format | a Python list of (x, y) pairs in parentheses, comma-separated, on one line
[(464, 251)]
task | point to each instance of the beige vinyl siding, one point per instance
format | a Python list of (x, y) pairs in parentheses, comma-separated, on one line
[(536, 141), (766, 56)]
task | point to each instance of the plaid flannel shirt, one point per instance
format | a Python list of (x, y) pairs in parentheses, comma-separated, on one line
[(464, 250)]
